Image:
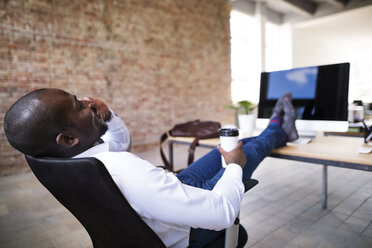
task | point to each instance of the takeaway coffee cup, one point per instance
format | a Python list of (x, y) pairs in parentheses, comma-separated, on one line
[(228, 139)]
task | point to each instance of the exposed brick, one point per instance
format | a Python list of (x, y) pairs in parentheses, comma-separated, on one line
[(156, 63)]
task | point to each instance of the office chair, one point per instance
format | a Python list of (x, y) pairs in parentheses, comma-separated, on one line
[(86, 189)]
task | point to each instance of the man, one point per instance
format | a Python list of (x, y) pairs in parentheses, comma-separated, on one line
[(54, 123)]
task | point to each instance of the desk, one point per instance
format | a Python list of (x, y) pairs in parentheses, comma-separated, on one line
[(325, 150)]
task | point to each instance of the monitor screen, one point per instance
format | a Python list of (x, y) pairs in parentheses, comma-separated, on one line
[(320, 93), (301, 82)]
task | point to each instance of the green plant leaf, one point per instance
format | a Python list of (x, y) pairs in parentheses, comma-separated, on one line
[(242, 107), (231, 107), (246, 106)]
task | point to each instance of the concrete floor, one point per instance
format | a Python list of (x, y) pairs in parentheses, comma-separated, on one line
[(284, 210)]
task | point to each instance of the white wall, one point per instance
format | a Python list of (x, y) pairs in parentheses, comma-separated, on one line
[(344, 37)]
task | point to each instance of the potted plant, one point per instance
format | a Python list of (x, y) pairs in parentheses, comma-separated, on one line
[(246, 118)]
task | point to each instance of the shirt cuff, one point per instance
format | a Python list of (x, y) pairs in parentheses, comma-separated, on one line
[(235, 169)]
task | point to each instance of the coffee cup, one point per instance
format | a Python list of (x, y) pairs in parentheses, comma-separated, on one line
[(229, 138)]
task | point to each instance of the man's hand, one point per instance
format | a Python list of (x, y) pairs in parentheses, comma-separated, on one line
[(99, 105), (236, 156)]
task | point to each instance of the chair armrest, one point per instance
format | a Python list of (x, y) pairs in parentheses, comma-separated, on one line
[(249, 183)]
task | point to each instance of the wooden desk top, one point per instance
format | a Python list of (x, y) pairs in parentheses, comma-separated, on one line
[(332, 150)]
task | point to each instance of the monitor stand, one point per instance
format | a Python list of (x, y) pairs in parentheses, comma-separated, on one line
[(307, 133)]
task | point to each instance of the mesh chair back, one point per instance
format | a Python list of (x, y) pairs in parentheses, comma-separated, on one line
[(87, 190)]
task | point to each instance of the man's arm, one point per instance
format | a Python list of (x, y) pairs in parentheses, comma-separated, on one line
[(117, 134), (162, 197)]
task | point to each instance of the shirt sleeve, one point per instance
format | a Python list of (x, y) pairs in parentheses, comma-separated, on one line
[(161, 196), (117, 134)]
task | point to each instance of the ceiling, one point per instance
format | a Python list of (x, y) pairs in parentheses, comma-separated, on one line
[(293, 11)]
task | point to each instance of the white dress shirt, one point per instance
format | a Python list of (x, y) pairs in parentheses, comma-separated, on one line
[(167, 205)]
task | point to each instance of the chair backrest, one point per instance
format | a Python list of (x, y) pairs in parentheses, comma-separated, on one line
[(86, 189)]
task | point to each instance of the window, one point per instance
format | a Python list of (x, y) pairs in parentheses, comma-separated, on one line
[(246, 54)]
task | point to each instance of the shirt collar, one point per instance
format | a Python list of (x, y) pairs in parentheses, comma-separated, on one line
[(104, 147)]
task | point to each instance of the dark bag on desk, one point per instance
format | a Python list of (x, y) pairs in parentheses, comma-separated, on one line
[(198, 129)]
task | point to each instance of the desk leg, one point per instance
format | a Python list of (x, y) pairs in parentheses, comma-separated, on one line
[(170, 152), (325, 186)]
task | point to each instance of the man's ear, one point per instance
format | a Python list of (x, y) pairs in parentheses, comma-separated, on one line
[(67, 140)]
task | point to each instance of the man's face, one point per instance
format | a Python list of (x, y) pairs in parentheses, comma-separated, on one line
[(82, 121), (86, 119)]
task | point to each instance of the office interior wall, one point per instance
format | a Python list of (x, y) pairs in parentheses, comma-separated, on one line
[(156, 63), (343, 37)]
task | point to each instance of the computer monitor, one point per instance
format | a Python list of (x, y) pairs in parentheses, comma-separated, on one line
[(320, 97)]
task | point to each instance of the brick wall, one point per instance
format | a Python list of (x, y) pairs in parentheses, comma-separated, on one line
[(156, 63)]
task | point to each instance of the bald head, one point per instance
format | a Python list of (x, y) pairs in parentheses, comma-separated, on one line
[(34, 122), (28, 124)]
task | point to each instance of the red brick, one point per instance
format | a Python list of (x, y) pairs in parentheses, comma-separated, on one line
[(156, 63)]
